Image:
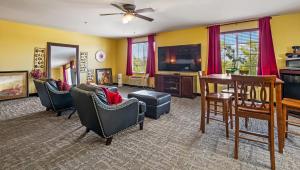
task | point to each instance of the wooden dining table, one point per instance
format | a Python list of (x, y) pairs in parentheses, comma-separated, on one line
[(225, 79)]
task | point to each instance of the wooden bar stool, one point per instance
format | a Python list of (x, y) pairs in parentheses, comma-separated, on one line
[(218, 100), (290, 105), (251, 106), (230, 90)]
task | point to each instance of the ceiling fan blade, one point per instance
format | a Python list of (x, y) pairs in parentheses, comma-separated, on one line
[(144, 10), (144, 17), (119, 7), (111, 14)]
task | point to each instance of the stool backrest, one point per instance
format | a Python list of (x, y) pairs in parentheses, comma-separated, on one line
[(201, 74), (256, 99)]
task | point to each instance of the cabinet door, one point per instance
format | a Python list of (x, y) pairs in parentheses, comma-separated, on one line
[(187, 88), (159, 83)]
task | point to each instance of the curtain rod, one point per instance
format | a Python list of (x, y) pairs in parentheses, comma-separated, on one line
[(144, 36), (235, 22)]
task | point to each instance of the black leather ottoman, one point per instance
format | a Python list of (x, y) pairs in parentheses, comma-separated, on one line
[(157, 103)]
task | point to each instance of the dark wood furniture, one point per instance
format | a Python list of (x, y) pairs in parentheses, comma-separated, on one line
[(226, 79), (257, 105), (176, 85), (290, 105), (291, 78), (216, 100)]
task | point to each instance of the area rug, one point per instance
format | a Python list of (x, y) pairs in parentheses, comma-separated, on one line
[(38, 139)]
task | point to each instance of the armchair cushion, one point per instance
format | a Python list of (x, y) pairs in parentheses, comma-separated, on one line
[(101, 95), (53, 83), (98, 91)]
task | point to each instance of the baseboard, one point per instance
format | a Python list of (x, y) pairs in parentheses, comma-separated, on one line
[(137, 86), (33, 95), (197, 94)]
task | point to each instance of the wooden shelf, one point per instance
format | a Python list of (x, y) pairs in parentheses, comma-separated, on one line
[(290, 59), (176, 85)]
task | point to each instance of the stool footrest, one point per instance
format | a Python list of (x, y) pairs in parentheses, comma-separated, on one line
[(255, 134), (293, 122), (291, 132), (253, 140)]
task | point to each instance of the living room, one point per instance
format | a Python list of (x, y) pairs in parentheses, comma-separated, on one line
[(140, 57)]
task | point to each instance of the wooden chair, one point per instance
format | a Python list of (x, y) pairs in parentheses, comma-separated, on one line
[(290, 105), (219, 100), (262, 108)]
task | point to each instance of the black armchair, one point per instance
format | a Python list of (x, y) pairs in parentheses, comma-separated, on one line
[(52, 98), (107, 120)]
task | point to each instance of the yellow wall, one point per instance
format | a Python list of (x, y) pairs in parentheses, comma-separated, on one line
[(17, 42), (56, 73), (239, 26), (285, 31)]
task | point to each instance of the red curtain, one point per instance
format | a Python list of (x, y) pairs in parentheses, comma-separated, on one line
[(129, 57), (214, 51), (266, 58), (150, 68), (64, 73)]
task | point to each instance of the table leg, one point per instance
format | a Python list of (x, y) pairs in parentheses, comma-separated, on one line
[(216, 91), (202, 121), (280, 128)]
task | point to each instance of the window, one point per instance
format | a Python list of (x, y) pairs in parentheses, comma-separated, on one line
[(139, 57), (239, 51), (69, 76)]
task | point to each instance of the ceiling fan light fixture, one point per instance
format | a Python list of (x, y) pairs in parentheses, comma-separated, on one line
[(127, 17)]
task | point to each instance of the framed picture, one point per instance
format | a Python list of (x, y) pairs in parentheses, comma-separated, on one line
[(83, 64), (39, 58), (13, 85), (104, 76)]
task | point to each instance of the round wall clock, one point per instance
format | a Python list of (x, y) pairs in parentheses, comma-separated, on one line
[(100, 56)]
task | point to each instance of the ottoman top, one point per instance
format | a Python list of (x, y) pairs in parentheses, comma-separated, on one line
[(151, 97)]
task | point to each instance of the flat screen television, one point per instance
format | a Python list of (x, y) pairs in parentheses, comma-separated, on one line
[(182, 58)]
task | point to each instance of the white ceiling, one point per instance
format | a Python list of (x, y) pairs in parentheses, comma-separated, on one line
[(169, 14), (62, 55)]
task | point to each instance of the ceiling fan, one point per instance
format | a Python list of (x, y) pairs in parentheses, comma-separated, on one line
[(129, 12)]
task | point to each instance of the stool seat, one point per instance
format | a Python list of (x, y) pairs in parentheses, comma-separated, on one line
[(231, 91), (220, 96), (291, 102)]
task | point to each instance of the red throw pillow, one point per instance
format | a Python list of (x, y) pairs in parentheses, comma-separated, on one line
[(112, 97), (63, 86), (66, 86)]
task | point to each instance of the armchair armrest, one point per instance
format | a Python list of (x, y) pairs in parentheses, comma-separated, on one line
[(116, 118)]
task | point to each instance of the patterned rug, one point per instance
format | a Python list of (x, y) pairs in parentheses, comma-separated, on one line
[(32, 138)]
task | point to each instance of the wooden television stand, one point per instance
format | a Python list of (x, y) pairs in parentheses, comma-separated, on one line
[(176, 84)]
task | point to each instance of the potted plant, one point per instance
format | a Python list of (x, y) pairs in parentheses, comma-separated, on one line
[(230, 53), (37, 73), (244, 70)]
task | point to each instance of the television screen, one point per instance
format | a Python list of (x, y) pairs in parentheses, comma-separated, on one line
[(180, 58)]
